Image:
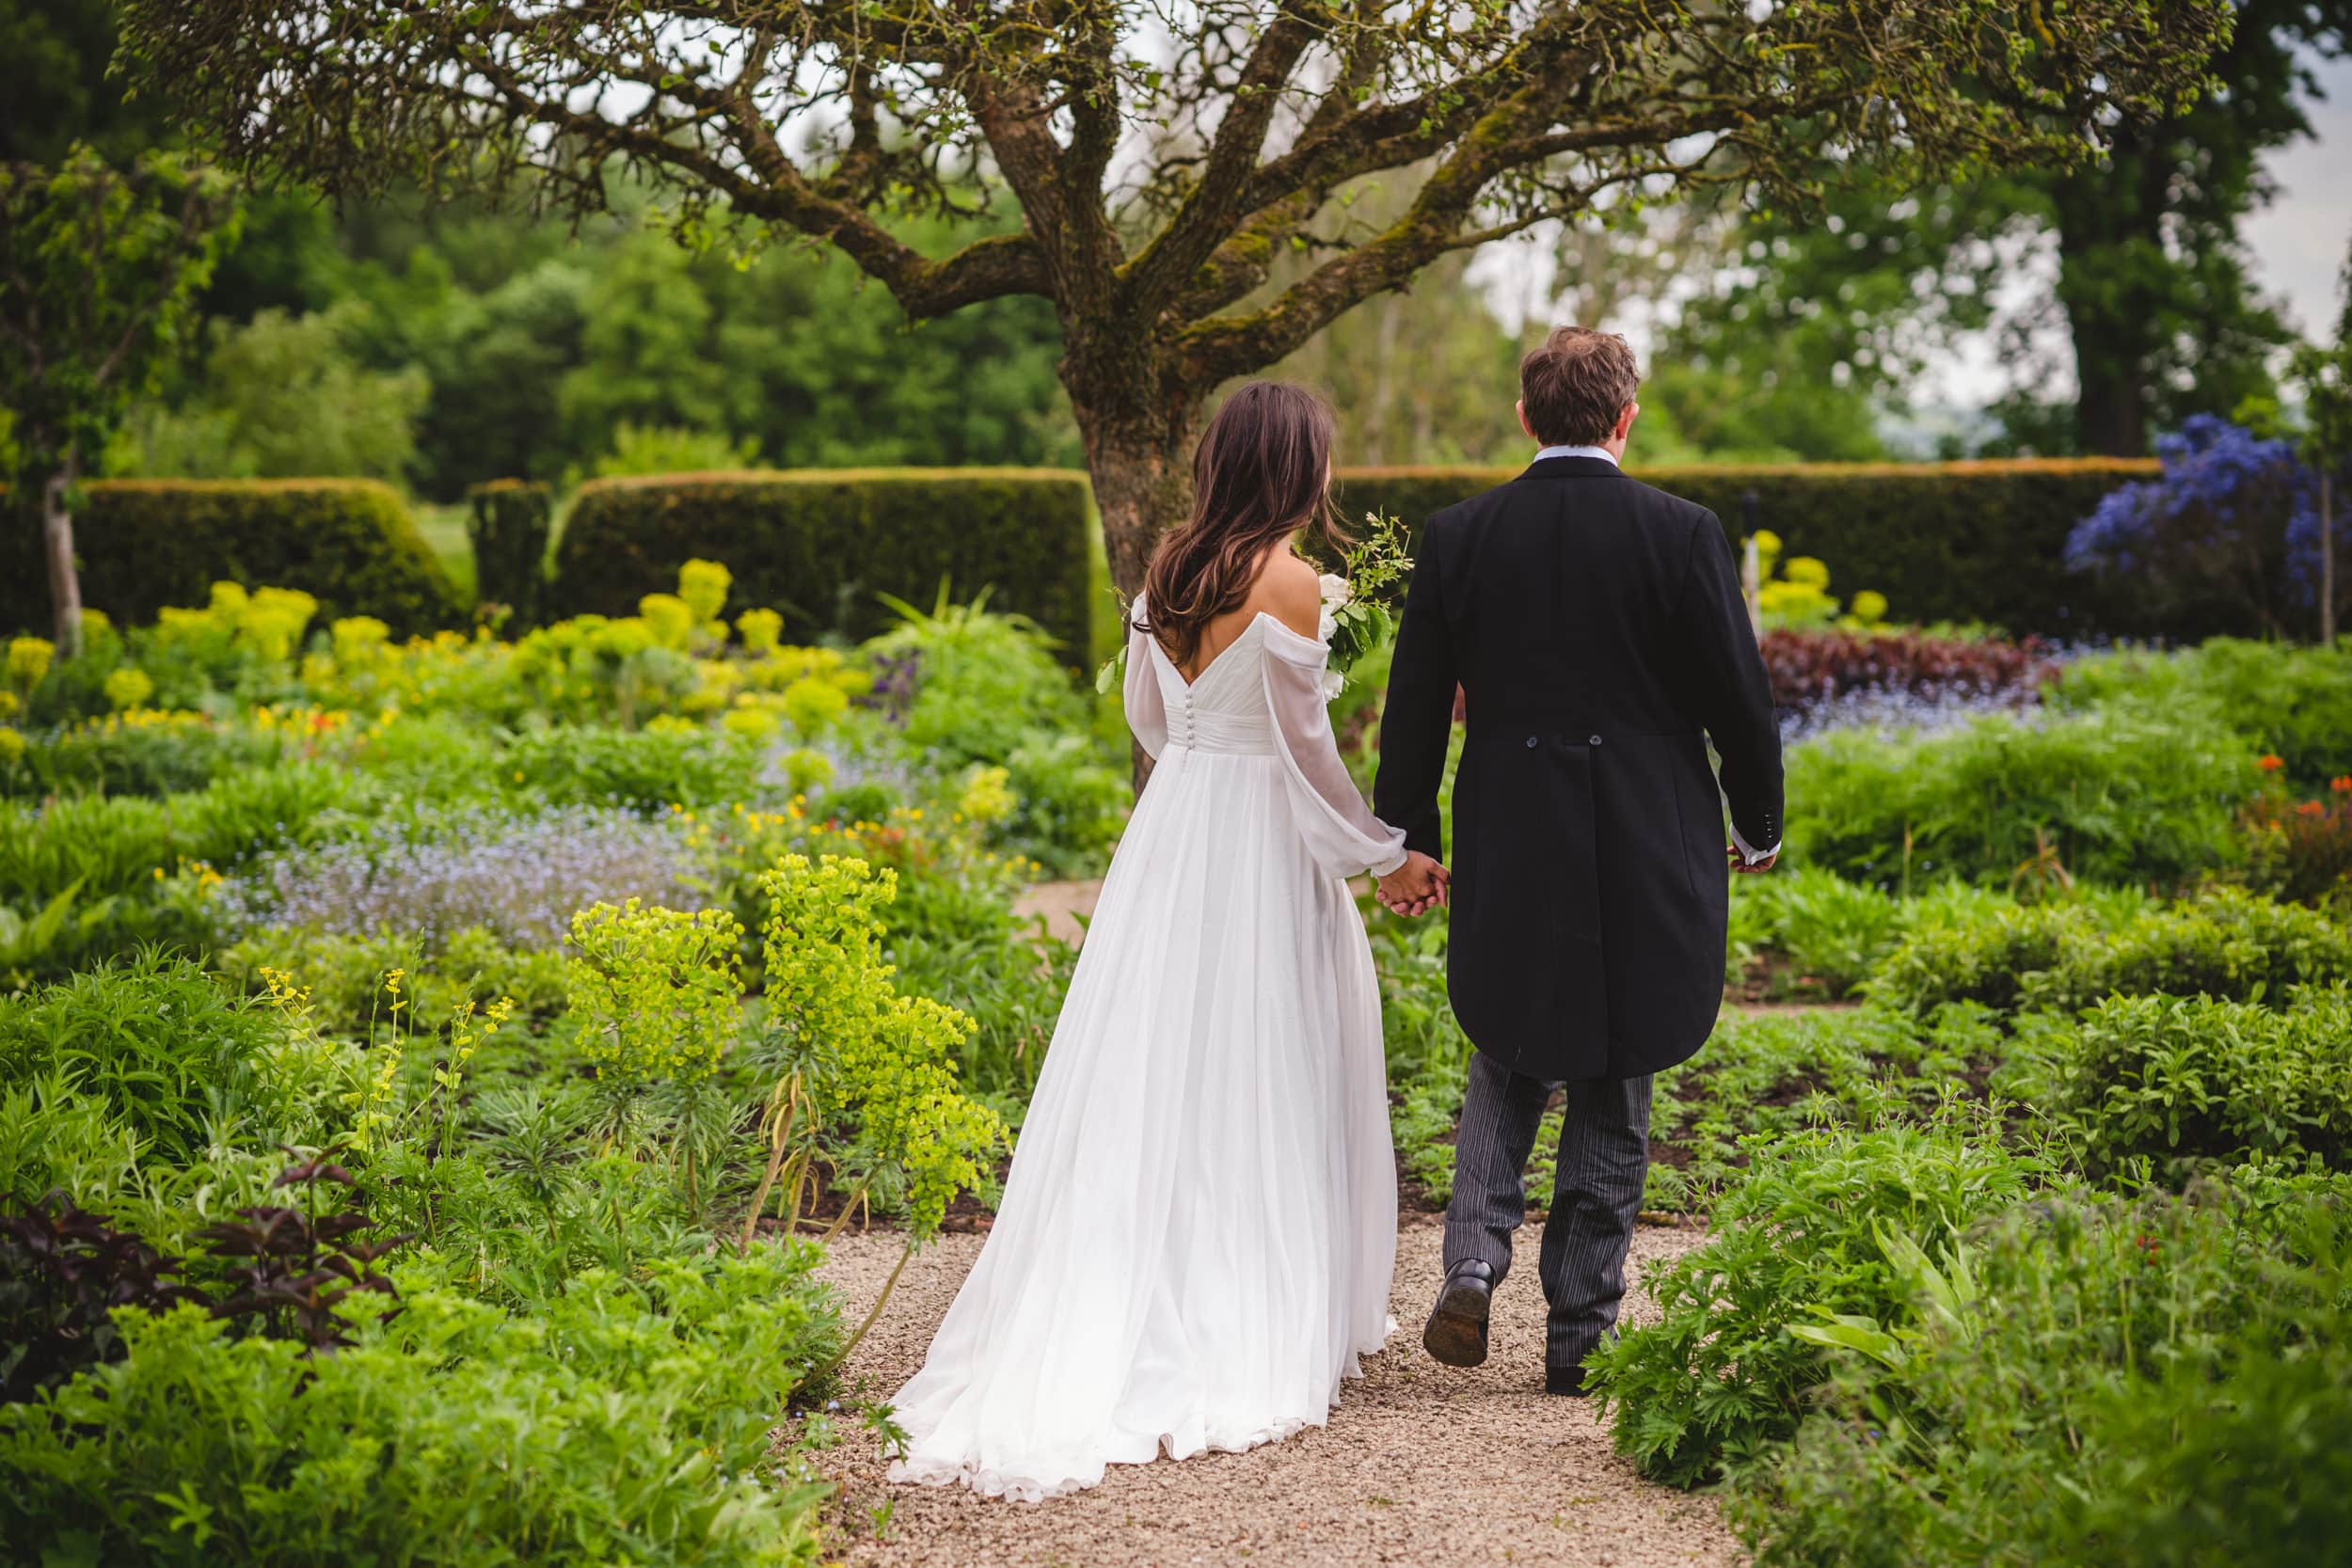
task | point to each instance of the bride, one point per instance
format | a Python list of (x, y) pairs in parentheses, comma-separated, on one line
[(1198, 1232)]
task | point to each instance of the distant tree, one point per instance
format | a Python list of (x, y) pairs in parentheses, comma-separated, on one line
[(2152, 275), (2322, 373), (59, 94), (2154, 294), (1161, 161), (98, 274)]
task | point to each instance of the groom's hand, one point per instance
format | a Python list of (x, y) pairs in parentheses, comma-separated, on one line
[(1414, 888), (1741, 863)]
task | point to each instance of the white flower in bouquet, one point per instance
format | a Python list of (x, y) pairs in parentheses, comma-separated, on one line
[(1336, 595)]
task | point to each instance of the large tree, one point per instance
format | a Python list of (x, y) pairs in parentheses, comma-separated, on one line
[(99, 273), (1162, 156)]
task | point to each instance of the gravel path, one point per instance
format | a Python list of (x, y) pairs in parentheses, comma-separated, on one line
[(1421, 1464)]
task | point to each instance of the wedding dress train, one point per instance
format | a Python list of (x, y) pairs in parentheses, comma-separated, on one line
[(1196, 1236)]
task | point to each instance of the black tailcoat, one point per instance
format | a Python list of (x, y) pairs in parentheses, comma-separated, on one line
[(1595, 627)]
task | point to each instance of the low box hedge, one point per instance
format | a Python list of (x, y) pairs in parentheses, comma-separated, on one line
[(818, 544), (145, 544), (1970, 542)]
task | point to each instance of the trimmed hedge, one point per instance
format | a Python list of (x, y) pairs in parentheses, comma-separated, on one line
[(146, 543), (1982, 542), (818, 544)]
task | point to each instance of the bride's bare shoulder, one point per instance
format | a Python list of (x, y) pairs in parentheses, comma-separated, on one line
[(1288, 589)]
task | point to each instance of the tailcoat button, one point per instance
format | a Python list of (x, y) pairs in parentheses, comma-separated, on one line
[(1530, 742), (1594, 741)]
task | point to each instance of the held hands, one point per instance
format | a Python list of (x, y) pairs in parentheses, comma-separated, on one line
[(1418, 886)]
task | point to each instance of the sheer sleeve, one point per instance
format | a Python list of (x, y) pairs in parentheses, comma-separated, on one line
[(1146, 704), (1341, 834)]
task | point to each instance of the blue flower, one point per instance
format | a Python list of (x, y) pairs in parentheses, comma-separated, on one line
[(2229, 504)]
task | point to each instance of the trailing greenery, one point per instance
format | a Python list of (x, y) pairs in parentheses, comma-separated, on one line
[(146, 543), (1959, 541), (820, 545)]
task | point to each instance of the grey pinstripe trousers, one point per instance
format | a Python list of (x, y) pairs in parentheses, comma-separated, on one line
[(1597, 1195)]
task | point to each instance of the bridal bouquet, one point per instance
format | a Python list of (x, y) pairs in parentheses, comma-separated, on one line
[(1356, 615), (1356, 619)]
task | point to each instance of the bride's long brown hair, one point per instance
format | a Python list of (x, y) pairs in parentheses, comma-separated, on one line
[(1260, 474)]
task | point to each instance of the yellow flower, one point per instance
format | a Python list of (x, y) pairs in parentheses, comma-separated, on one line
[(128, 687), (30, 659)]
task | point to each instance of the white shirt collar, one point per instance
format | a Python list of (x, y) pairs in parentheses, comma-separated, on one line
[(1601, 452)]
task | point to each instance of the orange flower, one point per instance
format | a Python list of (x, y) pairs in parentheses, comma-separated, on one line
[(2271, 765), (2342, 784), (2311, 808)]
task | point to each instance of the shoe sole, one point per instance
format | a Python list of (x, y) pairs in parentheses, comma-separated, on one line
[(1457, 1333)]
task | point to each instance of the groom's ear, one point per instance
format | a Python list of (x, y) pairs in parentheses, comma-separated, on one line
[(1626, 417), (1520, 408)]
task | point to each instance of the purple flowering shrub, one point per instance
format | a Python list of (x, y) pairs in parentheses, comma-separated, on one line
[(2229, 532)]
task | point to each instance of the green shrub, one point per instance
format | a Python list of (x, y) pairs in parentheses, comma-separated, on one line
[(509, 525), (985, 683), (146, 752), (1831, 932), (2117, 795), (1722, 1378), (644, 769), (1965, 542), (2226, 943), (620, 1422), (146, 543), (2192, 1082), (1772, 1074), (162, 1047), (2149, 1383), (344, 975), (818, 544), (2295, 702)]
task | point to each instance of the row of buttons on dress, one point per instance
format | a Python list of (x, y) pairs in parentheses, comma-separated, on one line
[(1589, 741)]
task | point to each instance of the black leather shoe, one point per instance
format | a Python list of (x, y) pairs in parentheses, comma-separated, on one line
[(1565, 1381), (1457, 1333)]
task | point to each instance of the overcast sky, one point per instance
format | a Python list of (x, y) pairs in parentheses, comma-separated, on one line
[(2299, 241)]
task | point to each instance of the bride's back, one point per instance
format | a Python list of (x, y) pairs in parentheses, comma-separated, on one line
[(1285, 588)]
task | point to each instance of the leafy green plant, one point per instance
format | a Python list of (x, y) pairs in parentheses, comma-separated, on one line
[(2191, 1083), (657, 991), (2226, 944), (2132, 1381), (2295, 702), (2120, 795), (160, 1044), (621, 1421), (1797, 1239)]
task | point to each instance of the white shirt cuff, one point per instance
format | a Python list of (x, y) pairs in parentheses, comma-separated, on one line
[(1749, 855)]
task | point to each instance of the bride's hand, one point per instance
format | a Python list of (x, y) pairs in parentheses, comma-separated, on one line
[(1418, 886)]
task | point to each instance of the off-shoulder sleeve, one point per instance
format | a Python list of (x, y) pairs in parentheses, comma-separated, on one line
[(1341, 834), (1147, 705)]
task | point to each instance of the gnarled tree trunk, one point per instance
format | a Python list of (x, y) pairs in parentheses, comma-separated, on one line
[(1138, 446)]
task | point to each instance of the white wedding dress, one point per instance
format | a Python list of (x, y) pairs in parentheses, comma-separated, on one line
[(1196, 1236)]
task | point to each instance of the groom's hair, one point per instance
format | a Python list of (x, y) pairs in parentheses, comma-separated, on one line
[(1576, 384)]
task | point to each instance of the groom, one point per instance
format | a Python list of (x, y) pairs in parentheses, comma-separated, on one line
[(1596, 630)]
